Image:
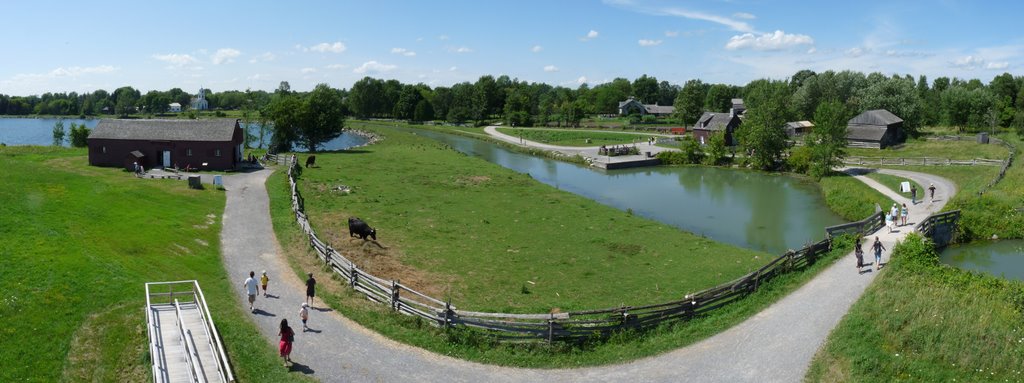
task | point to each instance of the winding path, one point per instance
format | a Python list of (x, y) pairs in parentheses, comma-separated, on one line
[(775, 345)]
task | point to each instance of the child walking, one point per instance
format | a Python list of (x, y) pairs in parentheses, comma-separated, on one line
[(263, 281), (287, 338), (304, 315)]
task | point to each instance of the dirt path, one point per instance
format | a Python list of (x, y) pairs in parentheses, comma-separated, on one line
[(776, 345)]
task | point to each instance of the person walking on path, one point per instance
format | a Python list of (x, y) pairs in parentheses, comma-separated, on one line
[(931, 191), (304, 315), (859, 252), (877, 247), (287, 338), (888, 221), (903, 214), (310, 289), (913, 194), (252, 289), (263, 281)]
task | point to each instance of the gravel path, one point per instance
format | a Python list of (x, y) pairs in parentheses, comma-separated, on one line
[(775, 345)]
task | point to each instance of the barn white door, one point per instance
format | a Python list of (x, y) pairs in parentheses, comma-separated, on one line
[(167, 158)]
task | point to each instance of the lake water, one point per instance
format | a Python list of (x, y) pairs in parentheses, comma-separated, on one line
[(39, 131), (35, 131), (755, 210), (1004, 258)]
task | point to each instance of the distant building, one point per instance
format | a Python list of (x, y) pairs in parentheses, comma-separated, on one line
[(174, 107), (201, 144), (199, 101), (711, 122), (877, 128), (798, 128), (633, 105), (738, 107)]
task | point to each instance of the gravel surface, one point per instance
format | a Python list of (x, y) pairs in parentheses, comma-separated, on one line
[(776, 345)]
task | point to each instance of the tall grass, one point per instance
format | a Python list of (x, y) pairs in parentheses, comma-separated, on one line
[(850, 198)]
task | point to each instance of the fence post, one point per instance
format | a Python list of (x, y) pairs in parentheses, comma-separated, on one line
[(551, 328), (394, 295), (354, 272), (447, 314)]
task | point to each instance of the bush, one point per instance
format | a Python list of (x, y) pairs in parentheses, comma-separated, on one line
[(799, 159), (715, 149)]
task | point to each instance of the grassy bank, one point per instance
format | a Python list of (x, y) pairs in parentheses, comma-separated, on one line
[(893, 183), (465, 229), (78, 244), (957, 150), (922, 321), (850, 198), (575, 137)]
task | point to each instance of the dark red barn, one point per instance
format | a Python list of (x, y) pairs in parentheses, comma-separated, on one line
[(201, 144)]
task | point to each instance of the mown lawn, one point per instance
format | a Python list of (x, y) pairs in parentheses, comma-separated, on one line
[(850, 198), (957, 150), (925, 322), (575, 137), (893, 183), (78, 244)]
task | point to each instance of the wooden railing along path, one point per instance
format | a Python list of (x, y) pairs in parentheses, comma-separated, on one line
[(557, 326)]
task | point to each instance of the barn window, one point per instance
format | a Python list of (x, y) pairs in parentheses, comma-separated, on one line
[(103, 149), (188, 152), (216, 152)]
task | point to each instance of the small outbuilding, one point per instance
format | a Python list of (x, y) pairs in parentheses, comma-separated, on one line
[(174, 107), (711, 122), (798, 128), (738, 107), (632, 105), (199, 144), (877, 128)]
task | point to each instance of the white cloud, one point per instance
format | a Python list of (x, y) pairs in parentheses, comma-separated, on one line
[(76, 71), (452, 69), (373, 66), (307, 70), (590, 35), (335, 47), (225, 55), (744, 15), (855, 52), (266, 56), (581, 80), (768, 41), (671, 33), (337, 66), (998, 65), (648, 43), (255, 77), (968, 62), (176, 59), (403, 52), (550, 68), (736, 25), (536, 49), (442, 37), (812, 51), (460, 49)]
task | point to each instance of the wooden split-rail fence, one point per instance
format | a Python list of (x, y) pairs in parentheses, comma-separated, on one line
[(572, 326), (918, 161)]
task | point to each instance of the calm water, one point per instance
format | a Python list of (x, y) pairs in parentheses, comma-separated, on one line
[(35, 131), (1003, 258), (755, 210), (39, 131)]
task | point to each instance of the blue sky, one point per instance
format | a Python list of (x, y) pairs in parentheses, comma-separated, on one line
[(87, 45)]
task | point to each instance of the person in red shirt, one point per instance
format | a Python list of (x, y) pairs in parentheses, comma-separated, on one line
[(287, 338)]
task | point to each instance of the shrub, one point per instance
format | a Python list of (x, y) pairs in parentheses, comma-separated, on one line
[(799, 159)]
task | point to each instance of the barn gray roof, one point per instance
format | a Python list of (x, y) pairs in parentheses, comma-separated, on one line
[(799, 124), (713, 121), (165, 130), (875, 117), (864, 133)]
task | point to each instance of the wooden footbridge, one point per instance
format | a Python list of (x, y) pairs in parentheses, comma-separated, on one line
[(183, 341)]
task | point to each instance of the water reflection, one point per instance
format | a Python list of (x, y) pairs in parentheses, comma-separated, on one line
[(766, 212)]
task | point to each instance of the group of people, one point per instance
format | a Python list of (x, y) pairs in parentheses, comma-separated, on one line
[(896, 216), (286, 334), (617, 150), (913, 193), (876, 247)]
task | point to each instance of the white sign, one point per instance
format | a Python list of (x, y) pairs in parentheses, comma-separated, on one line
[(905, 187)]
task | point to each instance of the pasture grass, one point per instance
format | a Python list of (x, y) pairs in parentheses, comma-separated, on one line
[(926, 322), (893, 183), (78, 244), (576, 137), (470, 345), (957, 150)]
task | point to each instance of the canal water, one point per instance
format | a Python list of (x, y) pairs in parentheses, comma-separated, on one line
[(1003, 258), (767, 212), (39, 131)]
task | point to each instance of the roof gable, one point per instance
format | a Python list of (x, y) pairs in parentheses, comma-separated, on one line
[(715, 121), (166, 130), (875, 117), (865, 133)]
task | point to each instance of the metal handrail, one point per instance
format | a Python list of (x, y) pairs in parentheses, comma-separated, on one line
[(149, 331), (215, 342), (193, 373)]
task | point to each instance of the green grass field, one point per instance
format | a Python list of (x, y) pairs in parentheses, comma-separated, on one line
[(924, 322), (78, 244), (575, 137), (850, 198), (893, 182), (956, 150)]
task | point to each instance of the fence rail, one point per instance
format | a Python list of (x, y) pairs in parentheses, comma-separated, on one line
[(863, 227), (570, 326), (919, 161)]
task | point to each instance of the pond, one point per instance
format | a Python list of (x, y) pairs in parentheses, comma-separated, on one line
[(1003, 258), (39, 131), (761, 211)]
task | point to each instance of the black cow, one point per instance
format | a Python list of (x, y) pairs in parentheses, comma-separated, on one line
[(310, 161), (356, 227)]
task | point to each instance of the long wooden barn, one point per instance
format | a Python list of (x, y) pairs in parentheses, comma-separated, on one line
[(199, 144)]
